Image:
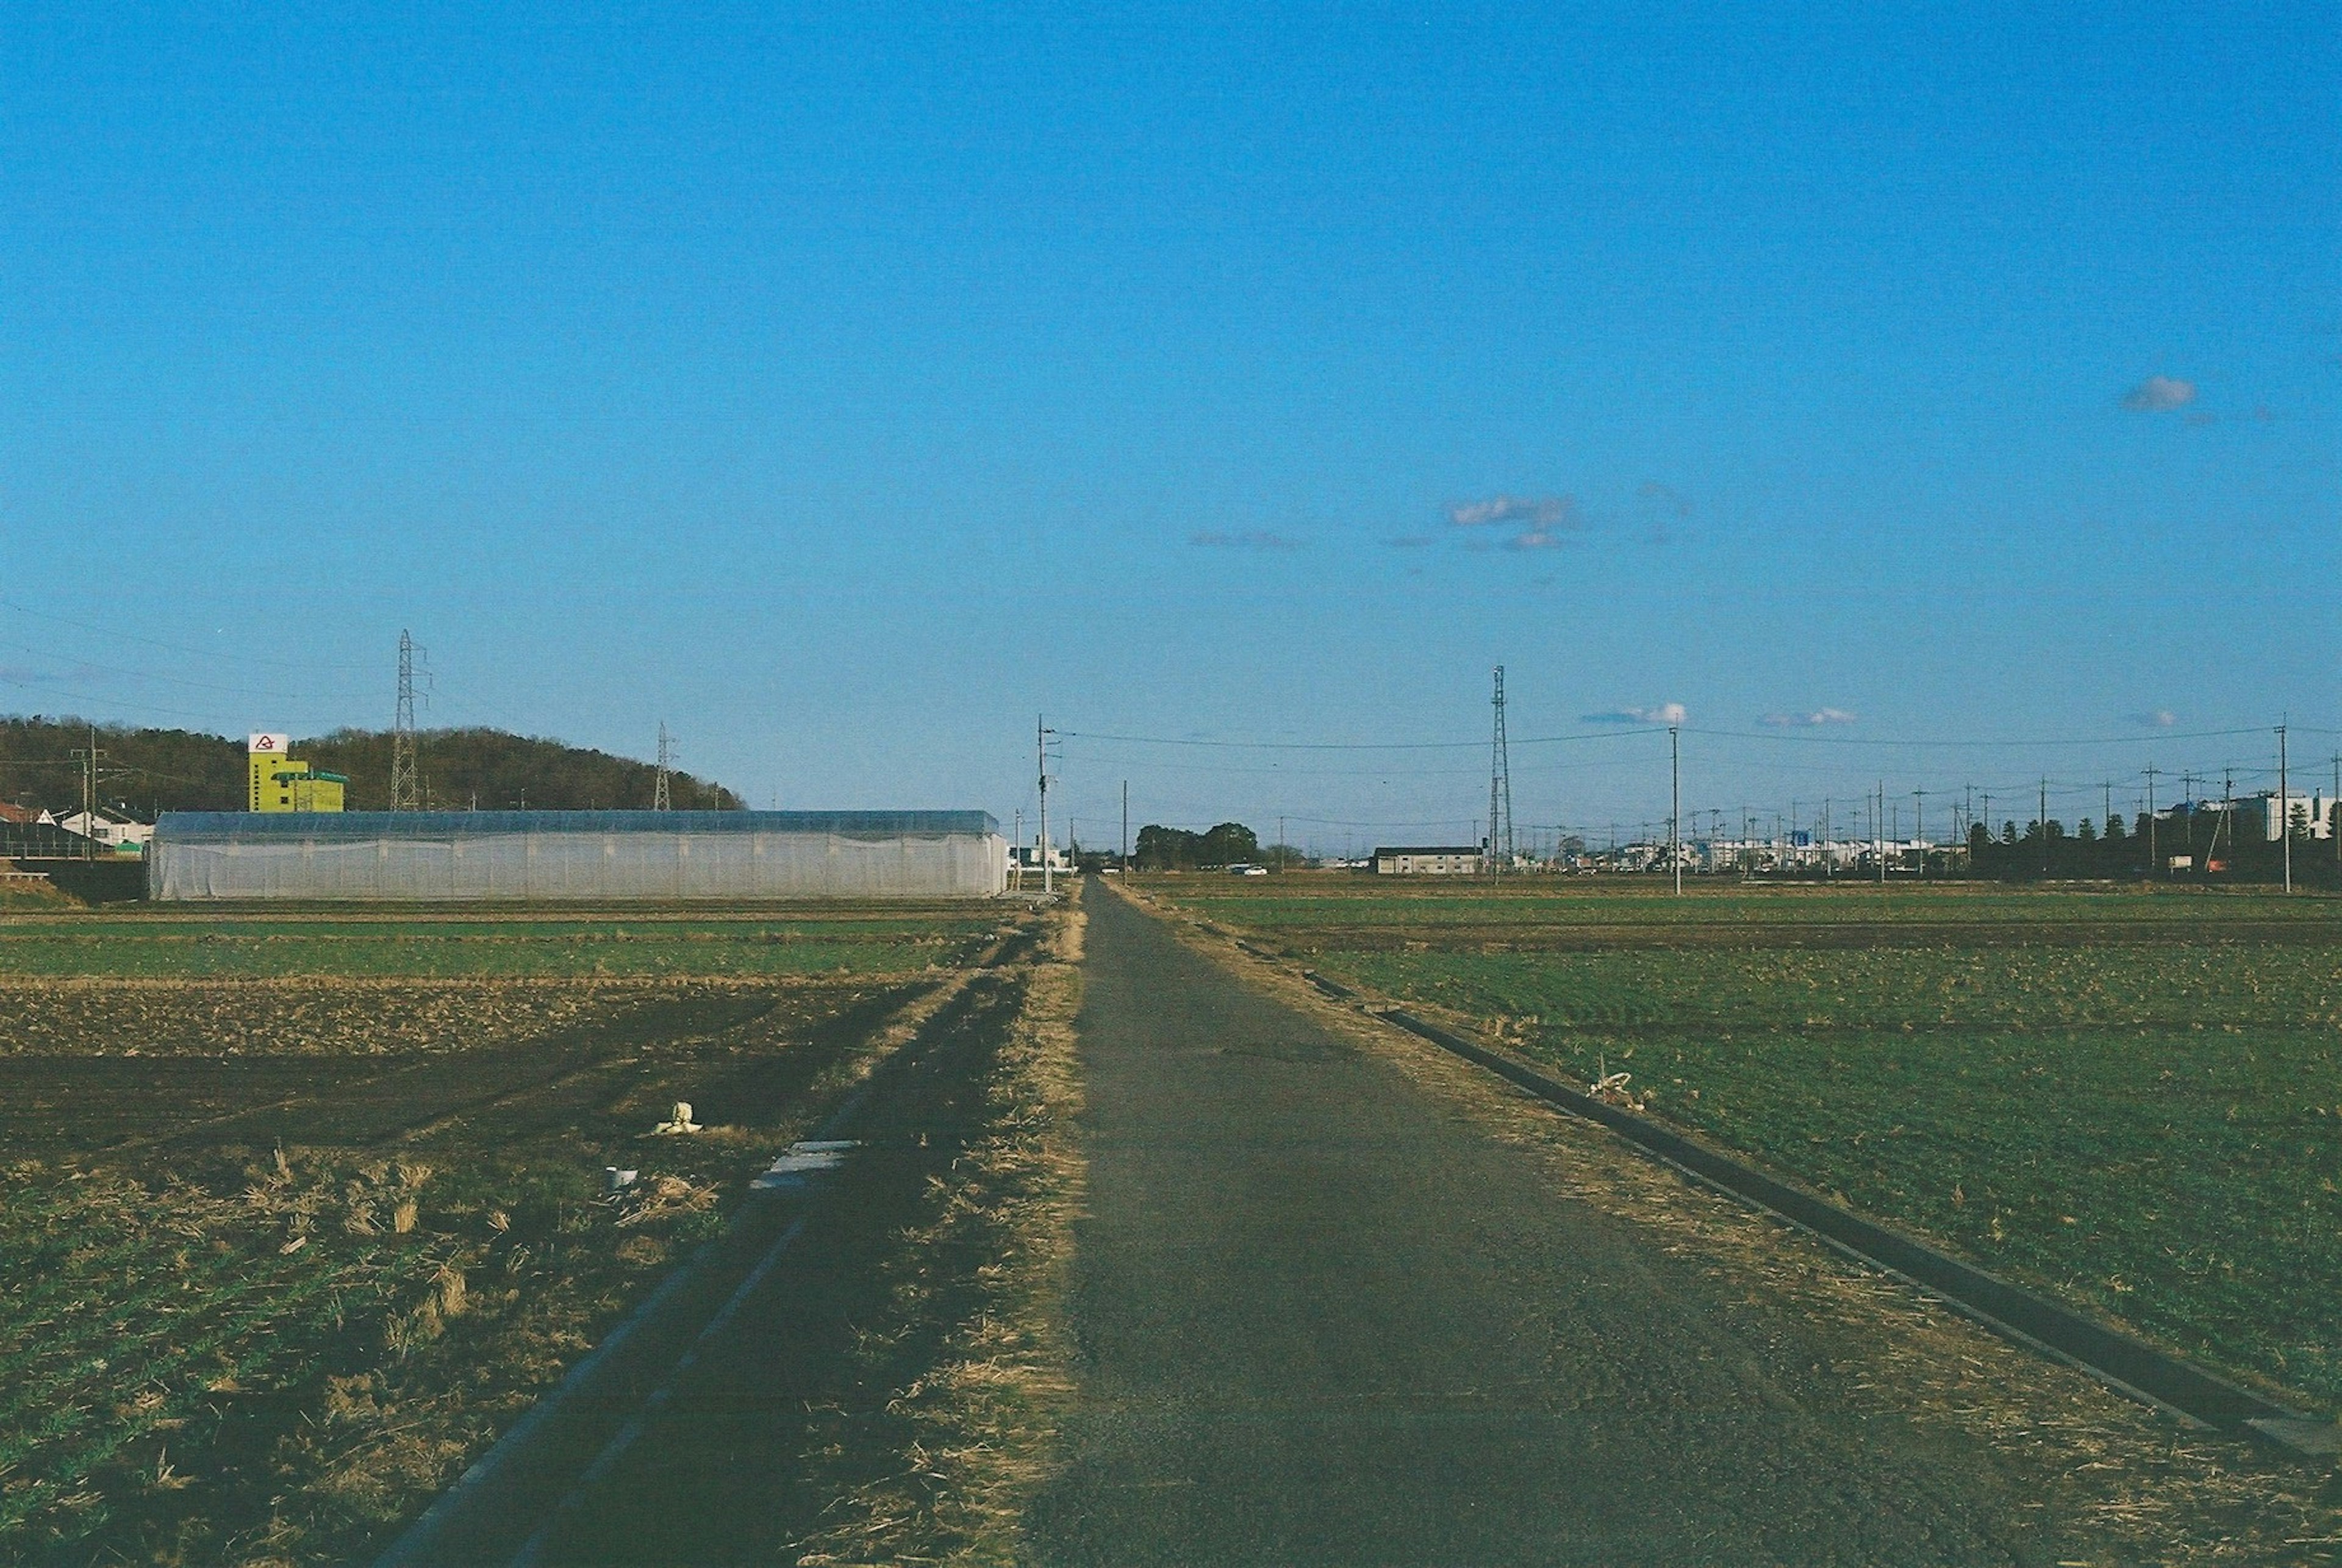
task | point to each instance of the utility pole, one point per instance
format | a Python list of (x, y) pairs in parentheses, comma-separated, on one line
[(406, 768), (2152, 863), (1674, 802), (2188, 801), (1041, 752), (661, 797), (1017, 853), (1126, 830), (2283, 809), (1920, 827), (89, 757), (1826, 855), (1280, 841), (2045, 824), (1878, 832), (1500, 788)]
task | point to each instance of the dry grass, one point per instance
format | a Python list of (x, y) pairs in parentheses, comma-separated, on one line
[(985, 1417), (2121, 1484)]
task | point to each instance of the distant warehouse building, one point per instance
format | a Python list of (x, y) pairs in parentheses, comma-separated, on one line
[(554, 856), (1429, 859)]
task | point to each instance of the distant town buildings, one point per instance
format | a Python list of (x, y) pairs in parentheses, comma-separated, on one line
[(2260, 817)]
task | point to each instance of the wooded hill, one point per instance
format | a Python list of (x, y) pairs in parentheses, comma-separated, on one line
[(181, 770)]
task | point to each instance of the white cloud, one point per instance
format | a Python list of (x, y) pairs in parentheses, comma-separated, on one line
[(1535, 511), (1258, 539), (1814, 720), (2160, 719), (1539, 538), (1664, 714), (2159, 395)]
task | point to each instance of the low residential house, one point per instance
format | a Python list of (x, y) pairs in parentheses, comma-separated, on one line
[(114, 830)]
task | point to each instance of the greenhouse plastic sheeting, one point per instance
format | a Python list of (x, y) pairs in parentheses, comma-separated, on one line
[(572, 855)]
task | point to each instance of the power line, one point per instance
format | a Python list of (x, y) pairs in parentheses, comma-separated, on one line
[(94, 667), (2019, 744), (1358, 746), (175, 647)]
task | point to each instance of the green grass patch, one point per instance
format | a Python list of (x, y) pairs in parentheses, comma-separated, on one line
[(2151, 1129), (1350, 901)]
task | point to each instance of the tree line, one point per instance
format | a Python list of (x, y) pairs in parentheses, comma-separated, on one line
[(1161, 848), (149, 770), (2146, 847)]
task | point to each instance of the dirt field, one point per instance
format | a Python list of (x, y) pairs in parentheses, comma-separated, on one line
[(293, 1237)]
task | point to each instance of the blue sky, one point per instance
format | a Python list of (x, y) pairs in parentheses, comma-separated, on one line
[(845, 390)]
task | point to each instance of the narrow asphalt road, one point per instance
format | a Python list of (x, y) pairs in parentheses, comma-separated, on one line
[(1325, 1318)]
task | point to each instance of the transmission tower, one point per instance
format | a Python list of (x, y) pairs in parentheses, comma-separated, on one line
[(1500, 790), (660, 800), (406, 770)]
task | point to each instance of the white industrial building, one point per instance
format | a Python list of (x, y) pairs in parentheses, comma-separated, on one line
[(1429, 859), (2264, 815)]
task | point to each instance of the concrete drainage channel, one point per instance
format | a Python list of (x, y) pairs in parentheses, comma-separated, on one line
[(2130, 1367)]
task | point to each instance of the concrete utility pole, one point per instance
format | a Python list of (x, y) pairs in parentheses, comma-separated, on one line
[(89, 757), (2284, 810), (2153, 865), (2045, 824), (1674, 802), (1920, 827), (1878, 832), (1041, 752), (1126, 829)]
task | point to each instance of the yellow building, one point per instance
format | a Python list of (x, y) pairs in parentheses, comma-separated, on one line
[(282, 782)]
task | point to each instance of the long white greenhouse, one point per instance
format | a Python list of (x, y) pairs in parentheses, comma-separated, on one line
[(576, 855)]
